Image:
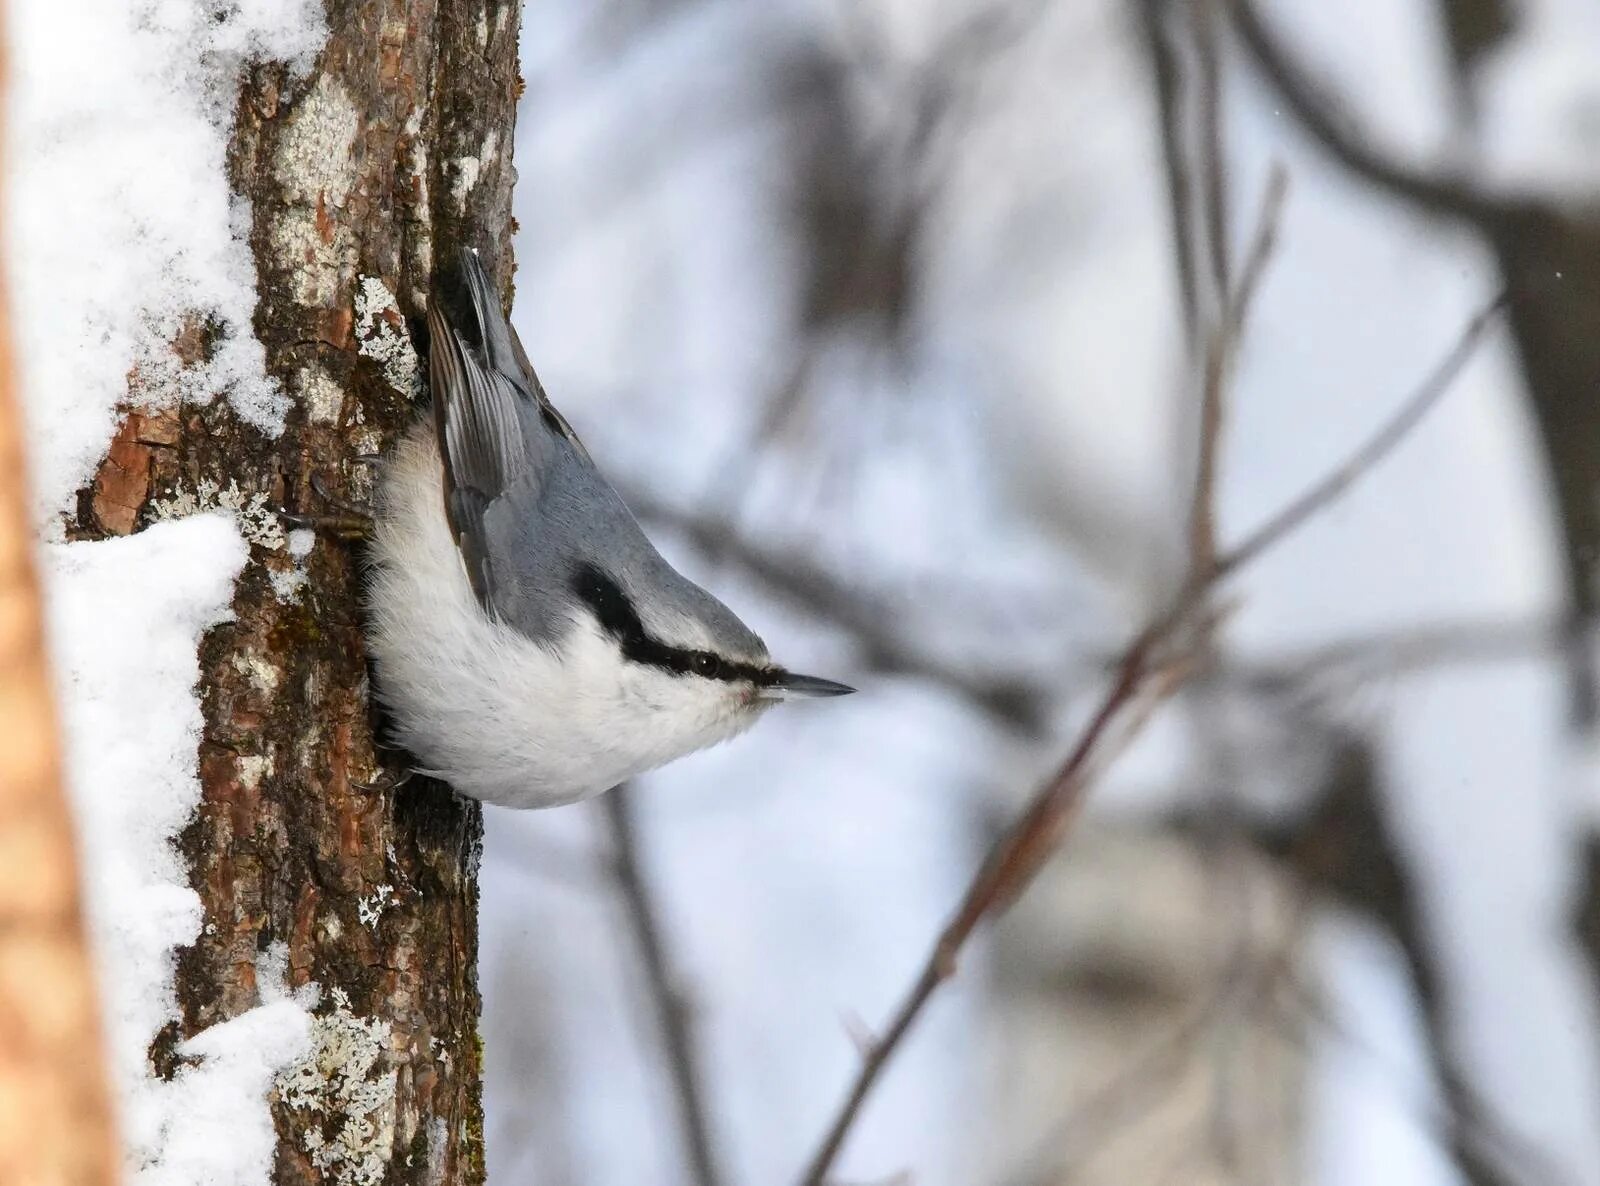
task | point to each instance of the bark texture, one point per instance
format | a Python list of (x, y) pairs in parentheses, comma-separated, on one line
[(393, 153)]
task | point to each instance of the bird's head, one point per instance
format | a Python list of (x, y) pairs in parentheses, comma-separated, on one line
[(687, 672)]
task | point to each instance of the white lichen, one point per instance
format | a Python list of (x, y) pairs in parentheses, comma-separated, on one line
[(346, 1085), (466, 169), (316, 165), (320, 395), (252, 769), (469, 169), (255, 517), (380, 336), (370, 908), (364, 443), (262, 673), (316, 153)]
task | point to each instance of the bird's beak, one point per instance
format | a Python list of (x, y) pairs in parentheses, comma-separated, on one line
[(789, 686)]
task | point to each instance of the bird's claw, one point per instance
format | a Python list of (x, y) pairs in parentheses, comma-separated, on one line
[(354, 522)]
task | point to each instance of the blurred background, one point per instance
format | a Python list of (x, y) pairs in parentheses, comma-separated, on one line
[(890, 320)]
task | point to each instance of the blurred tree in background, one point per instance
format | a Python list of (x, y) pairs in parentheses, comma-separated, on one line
[(1000, 247)]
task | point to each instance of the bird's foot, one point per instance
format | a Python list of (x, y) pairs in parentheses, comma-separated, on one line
[(353, 522), (385, 782)]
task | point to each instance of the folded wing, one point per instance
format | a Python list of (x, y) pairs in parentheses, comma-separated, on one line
[(480, 435)]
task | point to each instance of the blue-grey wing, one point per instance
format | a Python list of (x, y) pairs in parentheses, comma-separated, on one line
[(502, 348), (503, 444), (478, 423)]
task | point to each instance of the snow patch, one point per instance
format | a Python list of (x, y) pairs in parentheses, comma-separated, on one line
[(205, 1139), (126, 616), (287, 585), (469, 169), (123, 249)]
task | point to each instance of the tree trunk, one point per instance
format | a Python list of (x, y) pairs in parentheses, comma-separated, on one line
[(55, 1108), (394, 152)]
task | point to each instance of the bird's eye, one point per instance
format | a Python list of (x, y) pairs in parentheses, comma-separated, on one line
[(707, 665)]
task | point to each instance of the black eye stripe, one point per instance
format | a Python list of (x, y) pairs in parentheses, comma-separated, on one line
[(617, 617)]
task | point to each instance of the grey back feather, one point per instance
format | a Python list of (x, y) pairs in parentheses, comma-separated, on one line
[(528, 507)]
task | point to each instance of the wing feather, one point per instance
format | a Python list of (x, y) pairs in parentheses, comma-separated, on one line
[(480, 440)]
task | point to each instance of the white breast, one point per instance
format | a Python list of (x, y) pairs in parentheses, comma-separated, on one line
[(498, 716)]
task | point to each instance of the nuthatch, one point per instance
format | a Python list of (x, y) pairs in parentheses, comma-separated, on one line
[(530, 644)]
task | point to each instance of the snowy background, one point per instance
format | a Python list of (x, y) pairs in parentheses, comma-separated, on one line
[(1000, 465), (941, 243)]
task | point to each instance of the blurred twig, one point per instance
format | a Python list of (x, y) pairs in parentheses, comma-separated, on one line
[(1402, 650), (1378, 446), (673, 1012), (1546, 252), (863, 188), (1180, 200), (1214, 165), (1154, 665), (1405, 650), (1218, 364), (1444, 193), (1343, 849), (1142, 682)]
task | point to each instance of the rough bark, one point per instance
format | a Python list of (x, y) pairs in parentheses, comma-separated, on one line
[(392, 153)]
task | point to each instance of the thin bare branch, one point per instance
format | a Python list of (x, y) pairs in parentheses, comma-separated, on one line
[(1011, 865), (1213, 170), (1442, 193), (1378, 446), (673, 1013), (1180, 200), (1399, 651), (1220, 351), (1151, 669)]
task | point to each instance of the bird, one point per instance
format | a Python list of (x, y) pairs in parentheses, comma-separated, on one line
[(529, 645)]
